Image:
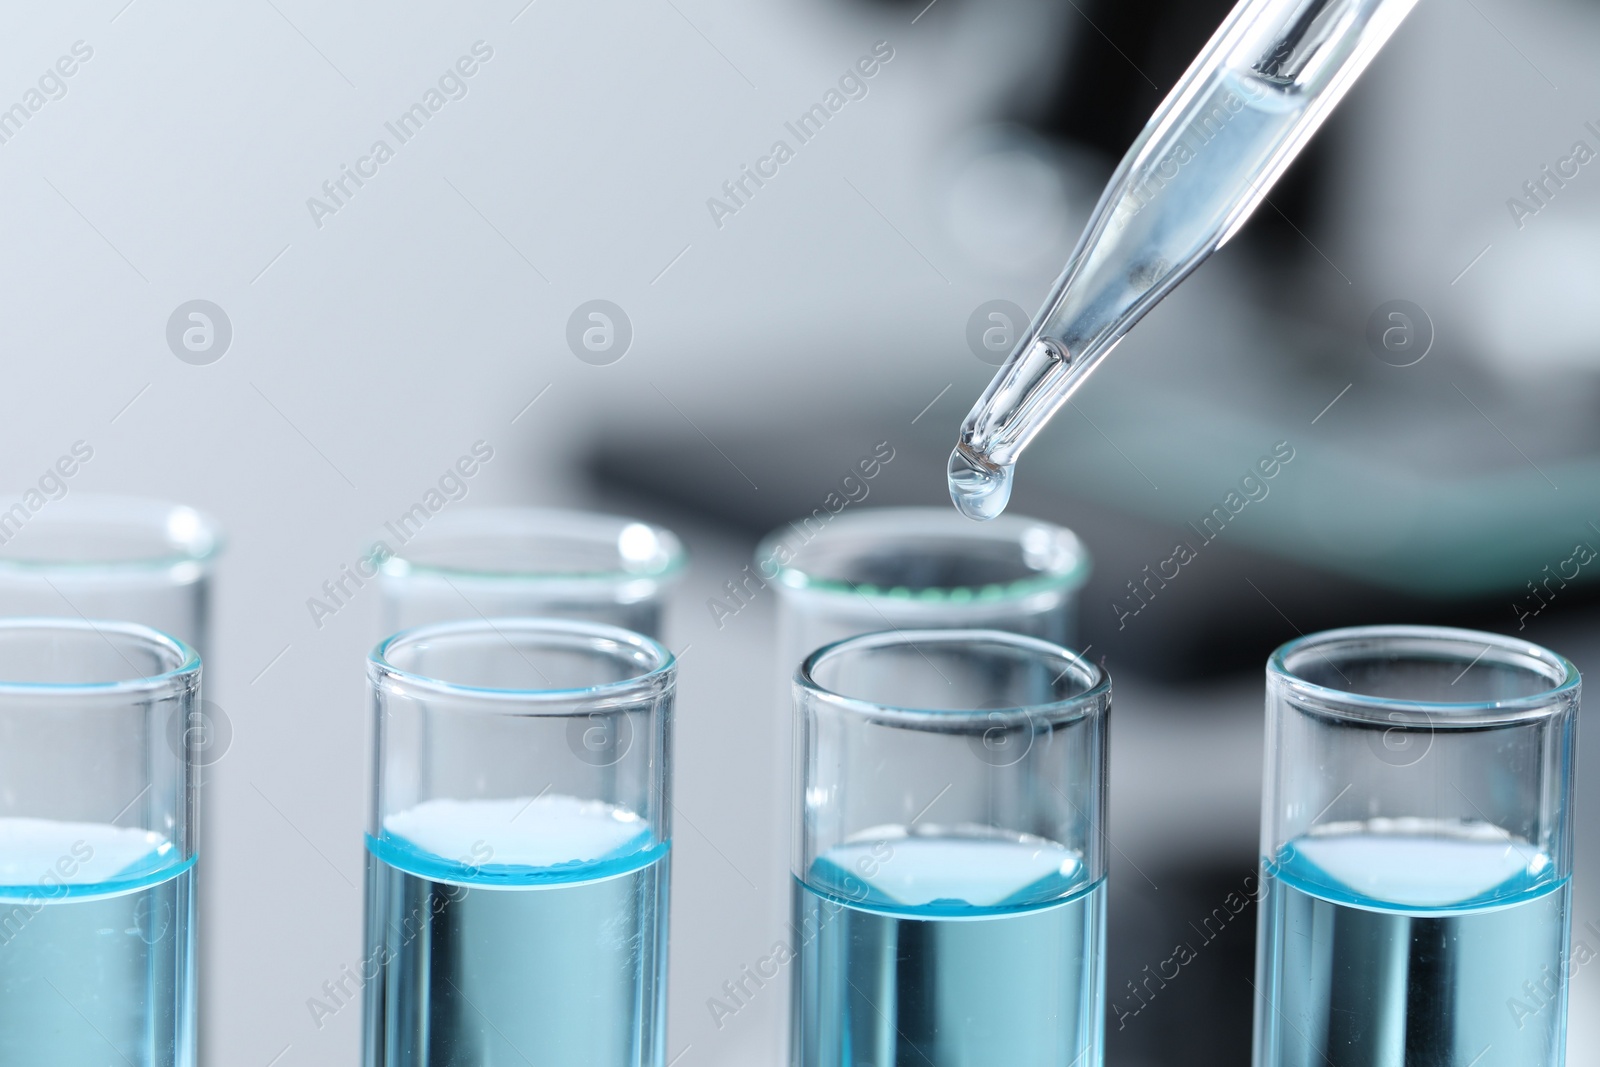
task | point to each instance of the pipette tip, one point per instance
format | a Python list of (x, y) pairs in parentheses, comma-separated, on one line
[(979, 489)]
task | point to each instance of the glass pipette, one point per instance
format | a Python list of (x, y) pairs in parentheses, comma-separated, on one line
[(1241, 113)]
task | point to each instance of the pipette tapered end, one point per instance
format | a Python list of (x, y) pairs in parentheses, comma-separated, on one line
[(980, 489)]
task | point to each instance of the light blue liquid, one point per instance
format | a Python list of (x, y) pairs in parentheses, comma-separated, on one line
[(949, 952), (96, 949), (502, 933), (1416, 949)]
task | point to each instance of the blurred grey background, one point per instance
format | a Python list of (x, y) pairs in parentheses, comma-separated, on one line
[(368, 330)]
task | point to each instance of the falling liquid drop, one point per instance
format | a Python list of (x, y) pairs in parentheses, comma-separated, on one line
[(979, 489)]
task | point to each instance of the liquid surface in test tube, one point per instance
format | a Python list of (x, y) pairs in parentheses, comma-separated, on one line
[(1414, 949), (95, 953), (515, 931), (949, 951)]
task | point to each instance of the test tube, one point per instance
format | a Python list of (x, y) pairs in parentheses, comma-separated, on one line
[(517, 850), (92, 556), (919, 568), (857, 572), (496, 562), (949, 875), (110, 557), (98, 820), (1416, 850)]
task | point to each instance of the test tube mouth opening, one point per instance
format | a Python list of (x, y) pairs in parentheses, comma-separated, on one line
[(1050, 685), (1432, 676), (88, 657), (923, 555), (541, 545), (95, 533), (524, 665)]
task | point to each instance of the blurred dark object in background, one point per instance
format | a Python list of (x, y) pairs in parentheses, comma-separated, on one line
[(1112, 78), (1177, 954), (1117, 65), (1222, 614)]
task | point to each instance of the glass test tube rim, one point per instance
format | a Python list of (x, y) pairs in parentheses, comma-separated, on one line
[(575, 634), (191, 536), (928, 523), (1094, 699), (598, 527), (1446, 644), (183, 672)]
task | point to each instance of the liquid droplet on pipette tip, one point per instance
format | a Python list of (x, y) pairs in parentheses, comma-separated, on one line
[(979, 489)]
